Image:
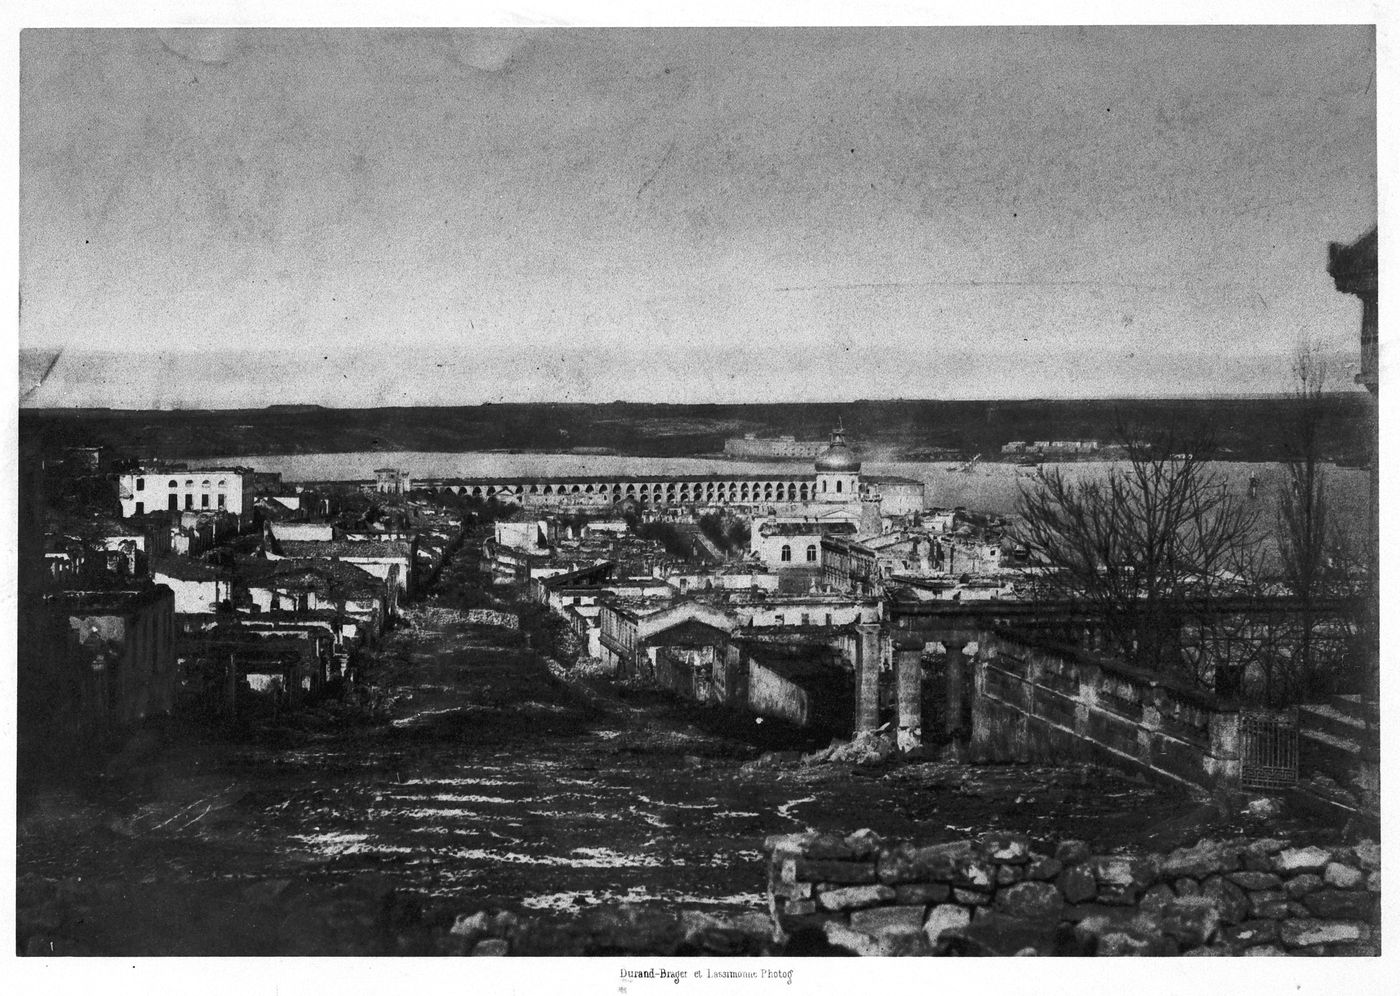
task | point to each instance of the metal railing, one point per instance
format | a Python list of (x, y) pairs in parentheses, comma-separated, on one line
[(1268, 748)]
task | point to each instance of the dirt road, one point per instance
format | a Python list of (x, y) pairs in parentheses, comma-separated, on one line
[(491, 784)]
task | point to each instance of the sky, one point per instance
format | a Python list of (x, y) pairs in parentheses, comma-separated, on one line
[(242, 217)]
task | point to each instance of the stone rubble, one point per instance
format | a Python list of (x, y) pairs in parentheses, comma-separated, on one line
[(870, 748), (998, 895)]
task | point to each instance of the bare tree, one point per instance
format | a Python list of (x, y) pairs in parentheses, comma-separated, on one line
[(1315, 555), (1302, 505), (1142, 541)]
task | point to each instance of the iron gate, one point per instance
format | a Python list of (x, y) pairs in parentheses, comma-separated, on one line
[(1268, 748)]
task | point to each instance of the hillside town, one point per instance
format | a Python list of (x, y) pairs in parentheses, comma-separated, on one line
[(836, 607), (810, 629), (696, 499), (170, 587)]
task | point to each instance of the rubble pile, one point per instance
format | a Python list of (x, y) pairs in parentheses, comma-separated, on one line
[(492, 617), (870, 748), (626, 929), (999, 896), (592, 667)]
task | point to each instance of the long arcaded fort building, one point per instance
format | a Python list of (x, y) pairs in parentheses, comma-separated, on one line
[(835, 485)]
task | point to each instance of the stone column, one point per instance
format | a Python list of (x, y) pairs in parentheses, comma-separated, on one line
[(954, 685), (908, 684), (868, 679)]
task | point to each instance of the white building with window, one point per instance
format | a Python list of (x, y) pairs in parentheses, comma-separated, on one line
[(791, 544), (203, 489)]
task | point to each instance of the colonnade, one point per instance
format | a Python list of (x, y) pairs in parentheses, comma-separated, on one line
[(908, 649)]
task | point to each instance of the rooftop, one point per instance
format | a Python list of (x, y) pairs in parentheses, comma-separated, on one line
[(345, 548), (635, 606), (624, 479), (186, 569), (809, 528), (576, 576), (114, 602), (311, 571), (687, 631), (154, 467)]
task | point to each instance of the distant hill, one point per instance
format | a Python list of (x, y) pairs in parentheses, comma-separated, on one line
[(1246, 428)]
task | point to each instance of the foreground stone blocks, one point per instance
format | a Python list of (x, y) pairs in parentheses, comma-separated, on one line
[(1341, 876), (855, 897), (1301, 933), (1032, 899), (946, 916), (999, 896), (1078, 885), (834, 871), (625, 929), (1205, 859), (883, 918), (1304, 859)]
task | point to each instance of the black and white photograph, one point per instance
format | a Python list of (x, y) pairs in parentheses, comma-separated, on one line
[(697, 499)]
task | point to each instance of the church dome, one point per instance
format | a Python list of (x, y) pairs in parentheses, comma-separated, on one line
[(837, 458)]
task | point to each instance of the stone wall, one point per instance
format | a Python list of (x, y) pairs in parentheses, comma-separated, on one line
[(1000, 896), (1034, 703)]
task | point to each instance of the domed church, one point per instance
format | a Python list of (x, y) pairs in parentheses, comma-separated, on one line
[(838, 470)]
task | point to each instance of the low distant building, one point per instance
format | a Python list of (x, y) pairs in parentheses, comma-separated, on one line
[(509, 564), (688, 579), (925, 588), (1054, 448), (776, 448), (289, 503), (389, 560), (111, 548), (958, 555), (231, 667), (785, 545), (939, 520), (205, 489), (822, 609), (523, 533), (198, 588), (308, 586), (605, 527), (64, 556), (627, 630), (321, 532), (559, 591), (897, 495), (583, 620), (192, 533), (848, 565), (392, 481), (688, 658)]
